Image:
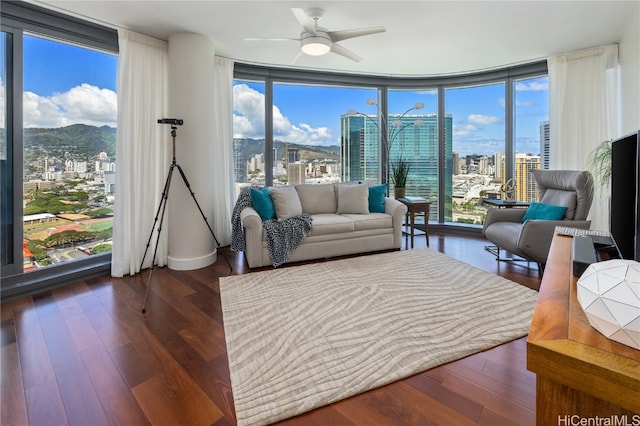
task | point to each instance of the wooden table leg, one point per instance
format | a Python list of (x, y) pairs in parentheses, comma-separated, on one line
[(426, 227), (413, 223)]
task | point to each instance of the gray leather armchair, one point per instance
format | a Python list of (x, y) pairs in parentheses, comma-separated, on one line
[(531, 240)]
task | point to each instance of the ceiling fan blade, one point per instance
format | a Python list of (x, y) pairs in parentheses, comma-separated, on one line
[(336, 48), (271, 39), (304, 20), (346, 34), (296, 58)]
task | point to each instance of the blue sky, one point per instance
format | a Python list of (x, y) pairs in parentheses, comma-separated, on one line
[(65, 84), (66, 66)]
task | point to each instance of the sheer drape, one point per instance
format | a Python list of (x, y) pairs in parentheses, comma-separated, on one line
[(583, 112), (142, 152), (223, 187)]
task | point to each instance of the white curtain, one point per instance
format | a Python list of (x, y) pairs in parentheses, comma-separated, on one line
[(583, 112), (142, 152), (223, 187)]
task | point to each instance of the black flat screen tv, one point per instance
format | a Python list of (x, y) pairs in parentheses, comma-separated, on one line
[(625, 195)]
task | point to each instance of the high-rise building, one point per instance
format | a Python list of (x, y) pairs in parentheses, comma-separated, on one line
[(293, 155), (456, 163), (296, 173), (240, 159), (413, 137), (359, 148), (544, 144), (526, 188), (498, 164)]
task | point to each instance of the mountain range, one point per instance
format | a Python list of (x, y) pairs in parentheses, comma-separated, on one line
[(84, 142), (77, 141)]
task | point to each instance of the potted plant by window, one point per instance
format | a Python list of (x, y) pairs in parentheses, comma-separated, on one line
[(600, 163), (399, 173)]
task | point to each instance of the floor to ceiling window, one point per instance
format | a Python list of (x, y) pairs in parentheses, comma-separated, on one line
[(249, 159), (307, 136), (413, 136), (531, 133), (7, 248), (307, 141), (57, 145), (463, 136), (69, 142), (478, 148)]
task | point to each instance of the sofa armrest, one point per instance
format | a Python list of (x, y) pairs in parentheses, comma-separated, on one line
[(397, 211), (252, 224), (536, 235), (502, 215)]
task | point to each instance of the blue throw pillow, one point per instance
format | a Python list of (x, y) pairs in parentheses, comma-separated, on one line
[(376, 198), (262, 202), (543, 211)]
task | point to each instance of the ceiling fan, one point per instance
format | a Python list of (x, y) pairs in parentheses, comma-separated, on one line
[(317, 41)]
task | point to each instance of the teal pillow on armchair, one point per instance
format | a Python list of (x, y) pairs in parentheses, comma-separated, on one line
[(541, 211)]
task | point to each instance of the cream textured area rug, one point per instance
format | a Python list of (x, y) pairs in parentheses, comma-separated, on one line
[(302, 337)]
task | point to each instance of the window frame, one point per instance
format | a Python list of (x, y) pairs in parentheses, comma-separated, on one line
[(507, 76), (18, 18)]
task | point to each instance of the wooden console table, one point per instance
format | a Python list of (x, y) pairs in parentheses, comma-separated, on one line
[(580, 373)]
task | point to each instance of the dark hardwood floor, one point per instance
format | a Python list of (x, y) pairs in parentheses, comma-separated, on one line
[(85, 355)]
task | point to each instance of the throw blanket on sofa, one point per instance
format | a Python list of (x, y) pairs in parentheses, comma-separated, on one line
[(283, 236)]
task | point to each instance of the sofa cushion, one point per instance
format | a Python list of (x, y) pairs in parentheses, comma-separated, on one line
[(263, 204), (353, 199), (376, 198), (337, 185), (558, 197), (363, 222), (331, 223), (541, 211), (286, 201), (317, 198)]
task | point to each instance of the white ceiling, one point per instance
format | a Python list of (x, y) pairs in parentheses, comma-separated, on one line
[(422, 38)]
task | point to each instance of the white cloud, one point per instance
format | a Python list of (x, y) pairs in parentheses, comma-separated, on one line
[(84, 104), (532, 86), (248, 114), (248, 121), (462, 130), (482, 119), (518, 103)]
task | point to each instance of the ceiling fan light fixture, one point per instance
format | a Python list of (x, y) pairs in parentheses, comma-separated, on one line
[(315, 45)]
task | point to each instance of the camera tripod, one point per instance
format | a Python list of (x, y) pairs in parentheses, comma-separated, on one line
[(163, 206)]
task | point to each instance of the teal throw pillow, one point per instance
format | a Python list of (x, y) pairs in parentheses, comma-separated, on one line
[(376, 198), (263, 204), (541, 211)]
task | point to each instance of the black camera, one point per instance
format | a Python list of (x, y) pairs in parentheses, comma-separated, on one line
[(172, 121)]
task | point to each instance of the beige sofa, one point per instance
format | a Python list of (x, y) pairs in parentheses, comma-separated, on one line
[(342, 222)]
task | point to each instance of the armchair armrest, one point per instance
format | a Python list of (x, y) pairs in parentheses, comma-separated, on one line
[(536, 235), (502, 215), (396, 210)]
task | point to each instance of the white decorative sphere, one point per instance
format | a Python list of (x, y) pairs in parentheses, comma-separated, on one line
[(609, 294)]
